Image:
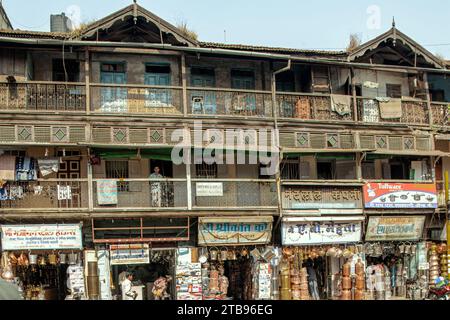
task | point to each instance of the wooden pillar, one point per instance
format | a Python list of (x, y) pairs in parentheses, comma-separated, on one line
[(87, 76), (184, 84), (90, 183), (427, 88), (355, 101)]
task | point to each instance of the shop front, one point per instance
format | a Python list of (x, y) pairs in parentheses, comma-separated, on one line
[(45, 261), (234, 259), (320, 257)]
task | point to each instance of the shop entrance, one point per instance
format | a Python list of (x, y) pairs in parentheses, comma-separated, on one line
[(162, 264)]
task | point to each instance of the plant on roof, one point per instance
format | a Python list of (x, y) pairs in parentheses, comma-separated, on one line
[(186, 31)]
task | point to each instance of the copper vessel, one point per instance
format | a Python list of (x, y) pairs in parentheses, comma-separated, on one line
[(360, 282), (359, 294), (346, 295), (346, 283), (346, 269)]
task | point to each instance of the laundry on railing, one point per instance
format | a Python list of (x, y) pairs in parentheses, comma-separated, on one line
[(341, 104), (48, 166), (26, 169), (390, 108), (371, 111), (7, 168), (107, 192), (64, 193)]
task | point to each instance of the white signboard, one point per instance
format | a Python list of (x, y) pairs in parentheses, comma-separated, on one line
[(209, 189), (124, 254), (41, 237), (395, 228), (301, 232)]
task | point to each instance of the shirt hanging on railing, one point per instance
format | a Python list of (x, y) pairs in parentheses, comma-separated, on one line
[(26, 169), (64, 193), (48, 166), (341, 104), (106, 192)]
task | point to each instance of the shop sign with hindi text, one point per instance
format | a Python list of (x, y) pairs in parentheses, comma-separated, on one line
[(400, 195), (128, 254), (395, 228), (310, 232), (42, 237), (234, 231)]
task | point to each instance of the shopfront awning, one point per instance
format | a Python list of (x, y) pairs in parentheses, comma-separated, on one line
[(234, 231)]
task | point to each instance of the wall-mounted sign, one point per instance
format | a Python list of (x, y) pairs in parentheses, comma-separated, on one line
[(297, 231), (400, 195), (127, 254), (209, 189), (234, 230), (42, 237), (307, 197), (395, 228)]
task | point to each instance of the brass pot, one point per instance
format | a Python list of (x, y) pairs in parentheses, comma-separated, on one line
[(224, 254), (33, 259), (42, 261), (52, 259), (213, 254)]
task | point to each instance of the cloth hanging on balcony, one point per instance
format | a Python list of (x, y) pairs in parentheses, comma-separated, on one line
[(7, 167), (3, 194), (48, 166), (106, 192), (15, 192), (26, 169), (303, 108), (64, 193), (341, 104), (390, 108), (371, 113), (371, 85)]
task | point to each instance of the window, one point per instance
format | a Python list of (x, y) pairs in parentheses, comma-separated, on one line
[(290, 170), (206, 170), (157, 68), (325, 170), (16, 153), (158, 75), (118, 170), (68, 153), (394, 90), (69, 66), (368, 170), (113, 67)]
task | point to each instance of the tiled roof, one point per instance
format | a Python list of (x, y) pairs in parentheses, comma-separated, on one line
[(25, 34), (272, 49)]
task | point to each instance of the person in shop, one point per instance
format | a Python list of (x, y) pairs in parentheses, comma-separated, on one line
[(156, 188), (312, 280), (126, 286), (9, 291)]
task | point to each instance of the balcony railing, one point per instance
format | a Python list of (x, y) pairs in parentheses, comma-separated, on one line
[(43, 96), (440, 113), (234, 193), (310, 107), (412, 112), (229, 102), (54, 195), (136, 99), (134, 194)]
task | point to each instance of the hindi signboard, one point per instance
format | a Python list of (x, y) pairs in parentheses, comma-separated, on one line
[(209, 189), (395, 228), (128, 254), (234, 230), (400, 195), (42, 237), (320, 231), (307, 197)]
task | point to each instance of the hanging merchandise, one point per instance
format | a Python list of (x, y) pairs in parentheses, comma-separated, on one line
[(38, 190), (15, 192), (26, 169), (4, 194), (48, 166), (64, 193)]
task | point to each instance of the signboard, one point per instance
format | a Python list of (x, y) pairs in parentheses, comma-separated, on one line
[(307, 197), (42, 237), (320, 231), (395, 228), (234, 230), (104, 274), (400, 195), (209, 189), (127, 254)]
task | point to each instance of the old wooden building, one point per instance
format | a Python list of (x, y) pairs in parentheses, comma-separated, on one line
[(106, 102)]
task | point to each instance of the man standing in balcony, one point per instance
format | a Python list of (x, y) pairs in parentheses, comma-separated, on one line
[(156, 188)]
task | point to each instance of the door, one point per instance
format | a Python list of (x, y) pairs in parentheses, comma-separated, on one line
[(113, 99), (158, 75), (203, 102), (244, 102), (70, 169)]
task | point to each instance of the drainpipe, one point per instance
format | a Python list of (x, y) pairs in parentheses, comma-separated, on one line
[(275, 111)]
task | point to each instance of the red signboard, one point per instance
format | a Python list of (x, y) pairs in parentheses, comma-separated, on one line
[(400, 195)]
